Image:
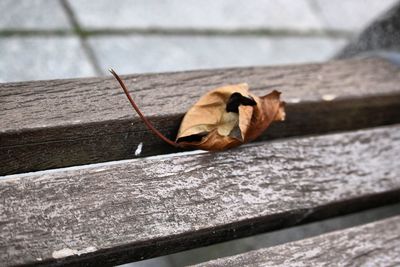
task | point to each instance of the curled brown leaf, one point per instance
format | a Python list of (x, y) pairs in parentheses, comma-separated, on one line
[(210, 125), (223, 118)]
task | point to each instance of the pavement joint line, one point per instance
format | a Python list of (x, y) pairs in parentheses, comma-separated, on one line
[(34, 32), (82, 37), (315, 7), (84, 34)]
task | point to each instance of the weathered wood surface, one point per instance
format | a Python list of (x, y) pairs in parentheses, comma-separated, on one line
[(129, 210), (373, 244), (57, 123)]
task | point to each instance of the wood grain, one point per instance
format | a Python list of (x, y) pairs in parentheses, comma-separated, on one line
[(134, 209), (49, 124), (374, 244)]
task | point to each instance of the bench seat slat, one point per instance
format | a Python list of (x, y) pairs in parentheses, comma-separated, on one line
[(373, 244), (58, 123), (135, 209)]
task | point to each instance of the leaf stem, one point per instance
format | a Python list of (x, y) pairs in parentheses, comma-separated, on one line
[(144, 119)]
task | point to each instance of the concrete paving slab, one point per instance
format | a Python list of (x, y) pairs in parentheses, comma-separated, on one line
[(32, 15), (140, 54), (351, 15), (193, 14), (37, 58)]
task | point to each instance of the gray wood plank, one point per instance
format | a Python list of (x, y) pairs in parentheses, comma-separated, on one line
[(59, 123), (373, 244), (115, 212)]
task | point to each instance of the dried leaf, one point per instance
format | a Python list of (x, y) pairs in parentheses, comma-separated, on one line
[(227, 117), (223, 118)]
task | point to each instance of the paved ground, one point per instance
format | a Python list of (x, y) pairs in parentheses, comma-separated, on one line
[(47, 39)]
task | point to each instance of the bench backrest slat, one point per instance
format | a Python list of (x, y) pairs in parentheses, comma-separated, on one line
[(374, 244), (81, 121)]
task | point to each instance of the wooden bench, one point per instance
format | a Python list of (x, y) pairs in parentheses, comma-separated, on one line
[(74, 192), (374, 244)]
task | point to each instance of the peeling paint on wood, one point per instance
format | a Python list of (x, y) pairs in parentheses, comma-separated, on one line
[(328, 97), (66, 252), (152, 206), (138, 150), (374, 244)]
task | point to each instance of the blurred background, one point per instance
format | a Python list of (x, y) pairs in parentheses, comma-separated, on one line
[(49, 39)]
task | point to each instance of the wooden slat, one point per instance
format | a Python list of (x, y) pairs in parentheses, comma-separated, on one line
[(374, 244), (116, 212), (57, 123)]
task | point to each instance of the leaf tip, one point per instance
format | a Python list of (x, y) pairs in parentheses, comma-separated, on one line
[(276, 92)]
